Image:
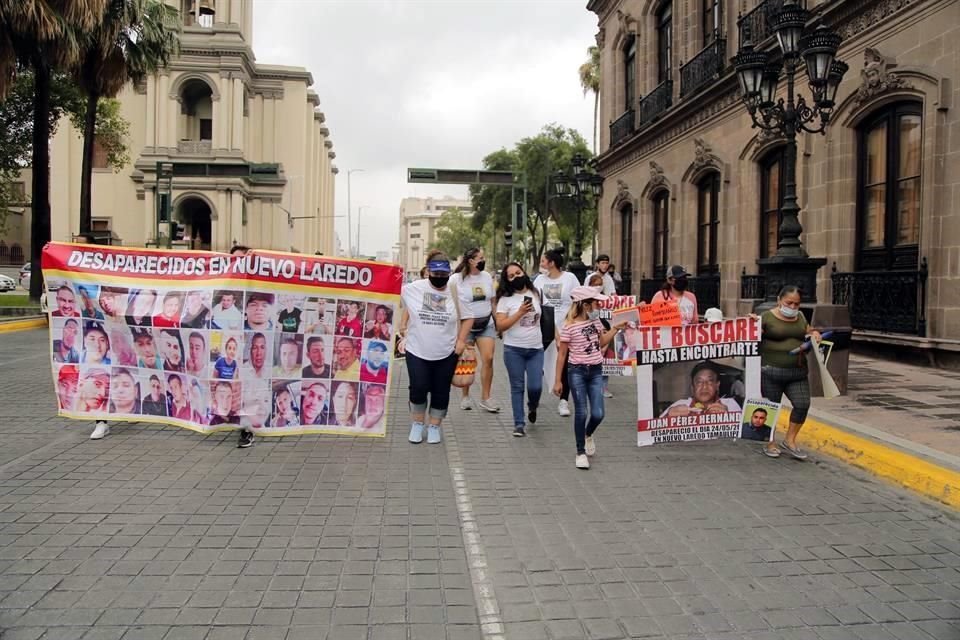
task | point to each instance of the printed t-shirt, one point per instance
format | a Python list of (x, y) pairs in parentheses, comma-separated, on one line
[(352, 328), (475, 293), (289, 321), (556, 292), (225, 371), (434, 324), (525, 332), (584, 341)]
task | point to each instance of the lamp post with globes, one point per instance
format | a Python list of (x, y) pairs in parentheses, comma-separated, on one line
[(759, 76), (578, 185)]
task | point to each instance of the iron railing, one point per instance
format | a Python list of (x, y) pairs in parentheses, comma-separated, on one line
[(752, 287), (704, 68), (886, 301), (706, 288), (760, 20), (623, 127), (655, 103)]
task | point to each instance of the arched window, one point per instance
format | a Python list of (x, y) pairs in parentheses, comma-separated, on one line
[(661, 232), (708, 223), (889, 152), (630, 74), (196, 109), (664, 42), (771, 201)]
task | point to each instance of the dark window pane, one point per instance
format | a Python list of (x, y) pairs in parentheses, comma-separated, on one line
[(908, 211)]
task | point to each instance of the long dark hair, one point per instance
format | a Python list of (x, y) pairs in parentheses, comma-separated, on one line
[(503, 287), (468, 255), (556, 257)]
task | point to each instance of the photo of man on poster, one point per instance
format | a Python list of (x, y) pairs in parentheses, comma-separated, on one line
[(704, 393), (756, 428)]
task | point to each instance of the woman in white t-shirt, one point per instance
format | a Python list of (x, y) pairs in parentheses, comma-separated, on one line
[(518, 319), (555, 286), (432, 337), (475, 290)]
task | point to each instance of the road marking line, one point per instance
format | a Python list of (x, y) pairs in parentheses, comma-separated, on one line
[(23, 325)]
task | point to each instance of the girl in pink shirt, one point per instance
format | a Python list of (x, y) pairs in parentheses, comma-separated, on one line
[(582, 341)]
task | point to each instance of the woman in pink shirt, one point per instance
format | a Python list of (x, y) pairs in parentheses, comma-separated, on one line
[(675, 288)]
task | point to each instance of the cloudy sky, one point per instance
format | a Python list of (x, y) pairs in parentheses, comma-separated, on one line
[(428, 83)]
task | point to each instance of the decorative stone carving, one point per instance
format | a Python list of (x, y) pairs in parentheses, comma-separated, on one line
[(657, 177), (703, 155), (869, 13), (768, 135), (601, 37), (877, 76), (623, 189)]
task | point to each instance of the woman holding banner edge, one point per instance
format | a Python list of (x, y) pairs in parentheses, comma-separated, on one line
[(675, 288), (783, 329)]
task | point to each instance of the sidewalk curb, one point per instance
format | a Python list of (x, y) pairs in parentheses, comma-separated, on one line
[(23, 325), (906, 469)]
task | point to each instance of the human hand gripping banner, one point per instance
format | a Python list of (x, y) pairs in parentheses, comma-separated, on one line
[(693, 380), (279, 343)]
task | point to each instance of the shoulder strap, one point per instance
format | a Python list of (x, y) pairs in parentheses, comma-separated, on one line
[(456, 299)]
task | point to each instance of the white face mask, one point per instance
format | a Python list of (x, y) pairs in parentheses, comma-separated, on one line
[(788, 312)]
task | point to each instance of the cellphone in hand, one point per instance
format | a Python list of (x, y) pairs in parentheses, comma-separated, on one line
[(527, 300)]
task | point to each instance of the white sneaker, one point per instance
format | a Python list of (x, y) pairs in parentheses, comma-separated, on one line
[(467, 403), (102, 430), (583, 462), (490, 405), (590, 446), (607, 393), (563, 408)]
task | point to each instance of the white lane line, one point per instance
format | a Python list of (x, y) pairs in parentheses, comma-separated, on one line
[(491, 623)]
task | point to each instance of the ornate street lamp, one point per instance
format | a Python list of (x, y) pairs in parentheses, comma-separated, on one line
[(759, 77), (578, 184)]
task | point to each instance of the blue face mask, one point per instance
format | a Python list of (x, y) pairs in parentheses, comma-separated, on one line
[(788, 312), (595, 314)]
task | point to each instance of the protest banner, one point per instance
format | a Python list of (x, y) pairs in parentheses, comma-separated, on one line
[(663, 313), (619, 356), (279, 343), (692, 380)]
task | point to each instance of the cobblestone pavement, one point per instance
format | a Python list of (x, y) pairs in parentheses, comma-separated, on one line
[(161, 533)]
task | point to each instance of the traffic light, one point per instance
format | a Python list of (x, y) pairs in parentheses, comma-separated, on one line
[(508, 236)]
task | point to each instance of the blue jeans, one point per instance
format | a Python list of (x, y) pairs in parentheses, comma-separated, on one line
[(586, 384), (520, 363)]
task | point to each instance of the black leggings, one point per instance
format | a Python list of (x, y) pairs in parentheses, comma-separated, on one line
[(430, 377)]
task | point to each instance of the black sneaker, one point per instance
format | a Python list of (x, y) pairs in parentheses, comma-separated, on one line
[(532, 416), (518, 432), (246, 440)]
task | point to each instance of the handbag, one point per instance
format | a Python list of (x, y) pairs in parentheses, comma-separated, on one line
[(548, 325), (479, 324), (466, 369)]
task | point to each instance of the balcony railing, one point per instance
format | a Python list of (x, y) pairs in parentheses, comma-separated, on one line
[(752, 287), (622, 127), (196, 147), (706, 288), (656, 102), (704, 68), (887, 301), (759, 19)]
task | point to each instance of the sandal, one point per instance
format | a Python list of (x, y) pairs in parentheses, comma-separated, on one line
[(794, 452), (770, 453)]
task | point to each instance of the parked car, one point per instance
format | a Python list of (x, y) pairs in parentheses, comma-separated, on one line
[(7, 283), (25, 276)]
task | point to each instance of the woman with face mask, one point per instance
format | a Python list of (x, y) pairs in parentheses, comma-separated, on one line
[(475, 290), (432, 336), (518, 319), (675, 288), (784, 329)]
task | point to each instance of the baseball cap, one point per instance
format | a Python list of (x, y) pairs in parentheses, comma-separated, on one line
[(439, 266), (587, 293), (677, 271), (713, 315)]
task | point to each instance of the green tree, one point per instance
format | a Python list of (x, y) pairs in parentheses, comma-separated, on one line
[(456, 234), (133, 39), (42, 35), (590, 82), (535, 159)]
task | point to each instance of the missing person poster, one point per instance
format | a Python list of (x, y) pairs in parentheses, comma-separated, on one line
[(759, 419), (278, 343), (692, 381), (618, 358)]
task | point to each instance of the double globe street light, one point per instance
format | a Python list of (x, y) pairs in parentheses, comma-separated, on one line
[(577, 186), (759, 76)]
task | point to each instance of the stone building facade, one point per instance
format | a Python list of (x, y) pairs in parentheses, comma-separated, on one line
[(690, 182), (248, 148)]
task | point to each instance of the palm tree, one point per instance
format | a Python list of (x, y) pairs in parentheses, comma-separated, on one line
[(590, 81), (43, 35), (134, 39)]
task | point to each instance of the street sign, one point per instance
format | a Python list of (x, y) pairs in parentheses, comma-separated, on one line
[(460, 176)]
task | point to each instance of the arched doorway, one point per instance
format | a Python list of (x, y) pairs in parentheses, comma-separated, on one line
[(195, 216)]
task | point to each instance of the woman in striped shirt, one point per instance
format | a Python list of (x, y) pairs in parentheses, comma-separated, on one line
[(583, 340)]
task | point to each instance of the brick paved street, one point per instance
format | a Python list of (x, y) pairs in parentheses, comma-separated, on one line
[(162, 533)]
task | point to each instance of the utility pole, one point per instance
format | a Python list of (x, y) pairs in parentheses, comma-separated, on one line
[(349, 214)]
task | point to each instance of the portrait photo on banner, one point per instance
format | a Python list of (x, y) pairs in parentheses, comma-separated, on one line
[(693, 380)]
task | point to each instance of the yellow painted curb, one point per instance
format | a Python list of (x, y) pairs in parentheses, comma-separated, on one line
[(933, 481), (22, 325)]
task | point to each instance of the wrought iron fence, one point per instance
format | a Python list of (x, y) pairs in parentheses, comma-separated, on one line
[(704, 68), (706, 288), (752, 287), (760, 20), (623, 127), (656, 102), (887, 301)]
